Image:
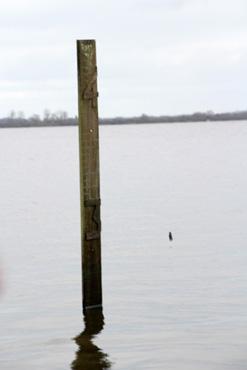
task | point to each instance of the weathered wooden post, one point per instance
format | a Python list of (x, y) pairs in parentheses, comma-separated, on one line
[(89, 174)]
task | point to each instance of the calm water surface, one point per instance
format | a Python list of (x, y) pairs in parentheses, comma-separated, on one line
[(177, 305)]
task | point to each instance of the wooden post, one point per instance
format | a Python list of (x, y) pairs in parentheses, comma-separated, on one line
[(89, 174)]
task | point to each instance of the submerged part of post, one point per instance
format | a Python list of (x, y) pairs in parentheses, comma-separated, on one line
[(89, 174)]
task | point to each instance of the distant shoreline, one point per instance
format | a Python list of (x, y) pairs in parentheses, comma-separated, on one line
[(53, 121)]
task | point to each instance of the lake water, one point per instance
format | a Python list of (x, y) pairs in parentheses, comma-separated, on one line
[(177, 305)]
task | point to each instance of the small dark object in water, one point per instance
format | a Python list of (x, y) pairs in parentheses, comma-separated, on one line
[(170, 237)]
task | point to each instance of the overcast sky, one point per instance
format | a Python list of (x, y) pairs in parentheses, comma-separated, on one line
[(154, 56)]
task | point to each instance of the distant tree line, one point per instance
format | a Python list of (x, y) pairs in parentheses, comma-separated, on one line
[(61, 118), (17, 119)]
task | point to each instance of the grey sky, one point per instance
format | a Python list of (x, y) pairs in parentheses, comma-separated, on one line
[(154, 56)]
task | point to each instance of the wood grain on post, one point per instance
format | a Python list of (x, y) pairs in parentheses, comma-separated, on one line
[(89, 174)]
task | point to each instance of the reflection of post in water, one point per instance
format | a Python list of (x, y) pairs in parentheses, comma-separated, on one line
[(89, 356)]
